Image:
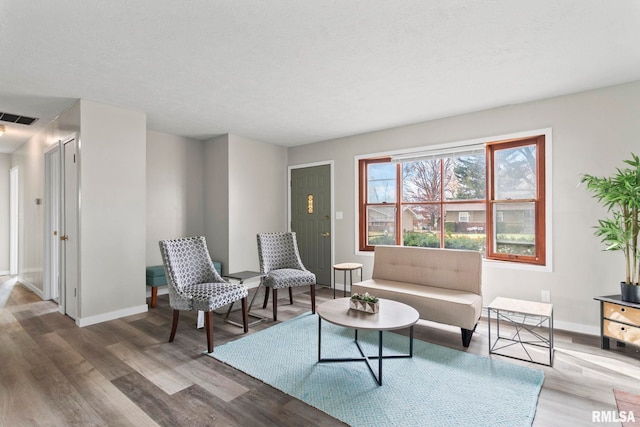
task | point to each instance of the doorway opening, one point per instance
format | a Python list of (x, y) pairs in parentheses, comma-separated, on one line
[(13, 219)]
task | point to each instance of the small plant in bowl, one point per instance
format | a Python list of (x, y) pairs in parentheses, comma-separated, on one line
[(364, 302)]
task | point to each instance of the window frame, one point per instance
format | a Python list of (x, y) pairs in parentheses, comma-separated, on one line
[(363, 205), (542, 216), (539, 201)]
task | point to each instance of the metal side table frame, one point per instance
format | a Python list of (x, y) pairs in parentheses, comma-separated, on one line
[(344, 267), (524, 316), (242, 276)]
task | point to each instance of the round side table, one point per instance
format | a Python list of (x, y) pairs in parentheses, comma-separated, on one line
[(344, 267)]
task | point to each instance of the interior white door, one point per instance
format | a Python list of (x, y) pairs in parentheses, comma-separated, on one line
[(52, 199), (69, 236)]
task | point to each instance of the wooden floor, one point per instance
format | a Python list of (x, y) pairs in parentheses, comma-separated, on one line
[(125, 373)]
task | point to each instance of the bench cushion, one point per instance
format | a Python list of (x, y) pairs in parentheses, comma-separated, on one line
[(156, 275), (448, 306)]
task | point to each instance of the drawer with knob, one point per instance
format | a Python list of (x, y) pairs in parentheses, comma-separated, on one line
[(621, 313), (621, 331)]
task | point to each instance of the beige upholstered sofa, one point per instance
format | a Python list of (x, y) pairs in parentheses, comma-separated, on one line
[(444, 285)]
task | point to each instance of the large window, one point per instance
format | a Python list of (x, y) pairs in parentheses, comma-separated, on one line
[(488, 198)]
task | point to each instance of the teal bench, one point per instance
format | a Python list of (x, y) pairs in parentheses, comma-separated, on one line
[(156, 277)]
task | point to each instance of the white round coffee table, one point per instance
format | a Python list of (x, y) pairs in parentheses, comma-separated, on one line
[(391, 316)]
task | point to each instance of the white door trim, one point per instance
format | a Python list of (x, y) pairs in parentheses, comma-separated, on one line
[(331, 171)]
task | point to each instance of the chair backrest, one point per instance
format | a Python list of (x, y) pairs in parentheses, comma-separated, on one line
[(187, 262), (278, 250)]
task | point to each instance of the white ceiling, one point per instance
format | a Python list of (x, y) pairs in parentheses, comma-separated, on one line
[(292, 72)]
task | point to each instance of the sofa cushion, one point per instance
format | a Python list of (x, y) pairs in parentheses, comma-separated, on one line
[(448, 306), (443, 268)]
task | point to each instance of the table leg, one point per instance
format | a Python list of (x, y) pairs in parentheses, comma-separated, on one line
[(344, 283), (364, 358), (319, 338), (335, 284), (256, 316), (379, 357)]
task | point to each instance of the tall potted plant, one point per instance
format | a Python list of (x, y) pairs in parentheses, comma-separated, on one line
[(620, 195)]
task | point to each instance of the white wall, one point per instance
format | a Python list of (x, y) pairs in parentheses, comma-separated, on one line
[(112, 213), (592, 133), (257, 197), (216, 199), (244, 194), (5, 166), (174, 190)]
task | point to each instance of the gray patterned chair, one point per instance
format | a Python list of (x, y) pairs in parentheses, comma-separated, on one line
[(194, 283), (280, 261)]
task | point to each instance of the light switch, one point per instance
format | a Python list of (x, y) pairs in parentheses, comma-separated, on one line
[(339, 215)]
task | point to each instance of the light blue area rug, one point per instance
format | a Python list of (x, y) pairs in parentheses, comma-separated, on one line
[(437, 387)]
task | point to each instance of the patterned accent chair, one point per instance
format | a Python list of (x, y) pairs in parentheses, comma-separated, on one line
[(280, 261), (194, 283)]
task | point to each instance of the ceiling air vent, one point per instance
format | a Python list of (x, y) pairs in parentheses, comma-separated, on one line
[(15, 118)]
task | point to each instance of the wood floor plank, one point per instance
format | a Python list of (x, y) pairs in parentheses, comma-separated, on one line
[(212, 381), (72, 403), (159, 374), (120, 330), (92, 347), (109, 402), (150, 398), (8, 322), (23, 402)]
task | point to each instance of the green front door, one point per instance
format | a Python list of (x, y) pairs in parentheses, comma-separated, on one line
[(311, 218)]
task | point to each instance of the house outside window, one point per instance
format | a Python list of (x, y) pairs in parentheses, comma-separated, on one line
[(487, 197)]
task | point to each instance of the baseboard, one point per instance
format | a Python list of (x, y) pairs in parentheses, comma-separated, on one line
[(576, 327), (5, 273), (564, 326), (31, 287), (112, 315)]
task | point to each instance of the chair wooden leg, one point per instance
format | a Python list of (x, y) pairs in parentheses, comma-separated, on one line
[(208, 324), (154, 296), (313, 299), (275, 304), (174, 326), (291, 296), (245, 315), (266, 297)]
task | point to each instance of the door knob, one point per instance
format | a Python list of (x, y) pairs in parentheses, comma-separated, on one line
[(65, 237), (326, 234)]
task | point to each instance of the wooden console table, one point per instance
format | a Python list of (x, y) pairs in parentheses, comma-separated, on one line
[(619, 320)]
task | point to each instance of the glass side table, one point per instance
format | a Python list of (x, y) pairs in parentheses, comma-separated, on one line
[(532, 330), (243, 276)]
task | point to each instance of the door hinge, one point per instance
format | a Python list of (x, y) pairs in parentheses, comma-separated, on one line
[(75, 292), (74, 158)]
